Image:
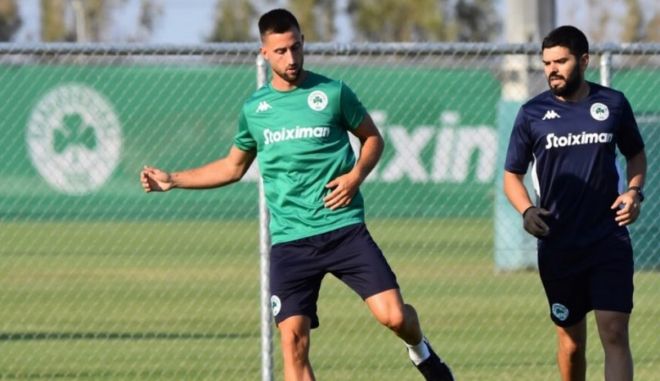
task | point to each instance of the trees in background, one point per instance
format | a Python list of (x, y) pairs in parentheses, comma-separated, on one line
[(10, 20), (53, 24), (368, 20), (233, 21), (620, 20), (633, 22), (653, 29), (91, 20), (73, 20), (371, 20), (150, 12), (393, 20), (318, 16), (476, 20)]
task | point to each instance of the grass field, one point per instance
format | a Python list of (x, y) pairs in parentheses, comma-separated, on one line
[(180, 301)]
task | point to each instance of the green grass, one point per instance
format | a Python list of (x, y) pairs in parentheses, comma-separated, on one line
[(180, 301)]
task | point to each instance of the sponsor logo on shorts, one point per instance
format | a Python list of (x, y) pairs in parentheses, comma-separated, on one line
[(560, 311), (275, 304)]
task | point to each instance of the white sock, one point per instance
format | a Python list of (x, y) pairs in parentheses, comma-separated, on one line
[(419, 352)]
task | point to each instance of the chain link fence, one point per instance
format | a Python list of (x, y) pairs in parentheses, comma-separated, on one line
[(100, 281)]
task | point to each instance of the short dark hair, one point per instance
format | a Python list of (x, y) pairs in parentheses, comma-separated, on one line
[(277, 21), (567, 36)]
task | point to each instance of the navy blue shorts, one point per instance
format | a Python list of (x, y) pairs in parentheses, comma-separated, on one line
[(599, 277), (298, 267)]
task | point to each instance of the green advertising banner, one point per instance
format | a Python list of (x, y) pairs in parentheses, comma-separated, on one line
[(76, 138), (640, 86)]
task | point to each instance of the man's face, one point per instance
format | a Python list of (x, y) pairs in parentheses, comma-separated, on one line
[(563, 71), (284, 52)]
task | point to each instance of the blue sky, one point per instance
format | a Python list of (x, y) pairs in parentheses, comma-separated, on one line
[(190, 21), (181, 21)]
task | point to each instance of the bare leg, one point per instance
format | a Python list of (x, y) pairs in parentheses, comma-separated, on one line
[(571, 351), (389, 310), (613, 331), (295, 339)]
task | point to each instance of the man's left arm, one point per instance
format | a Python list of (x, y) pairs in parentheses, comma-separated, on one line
[(346, 186), (629, 202)]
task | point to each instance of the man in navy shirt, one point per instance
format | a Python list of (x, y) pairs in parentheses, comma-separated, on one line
[(570, 134)]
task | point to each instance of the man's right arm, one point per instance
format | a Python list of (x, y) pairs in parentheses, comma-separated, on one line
[(515, 191), (533, 217), (221, 172)]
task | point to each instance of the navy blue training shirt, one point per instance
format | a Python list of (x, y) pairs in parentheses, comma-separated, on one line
[(572, 146)]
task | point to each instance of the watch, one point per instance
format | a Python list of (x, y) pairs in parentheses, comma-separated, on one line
[(639, 191)]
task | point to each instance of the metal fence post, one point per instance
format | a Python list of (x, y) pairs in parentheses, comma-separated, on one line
[(264, 255), (605, 68)]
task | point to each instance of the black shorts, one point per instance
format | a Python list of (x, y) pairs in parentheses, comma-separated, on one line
[(599, 277), (298, 267)]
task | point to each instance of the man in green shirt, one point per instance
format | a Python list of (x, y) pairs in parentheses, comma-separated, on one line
[(297, 126)]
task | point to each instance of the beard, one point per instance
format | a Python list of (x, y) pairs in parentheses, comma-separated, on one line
[(289, 76), (571, 84)]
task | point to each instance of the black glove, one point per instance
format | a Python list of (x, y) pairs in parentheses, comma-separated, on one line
[(533, 221)]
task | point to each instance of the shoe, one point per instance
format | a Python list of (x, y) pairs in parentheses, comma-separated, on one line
[(433, 369)]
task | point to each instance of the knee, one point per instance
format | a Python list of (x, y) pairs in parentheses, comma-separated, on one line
[(396, 319), (572, 348), (294, 340), (614, 335), (295, 345)]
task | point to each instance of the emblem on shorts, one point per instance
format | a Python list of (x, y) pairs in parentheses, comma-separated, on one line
[(560, 311), (317, 100), (275, 305), (599, 111)]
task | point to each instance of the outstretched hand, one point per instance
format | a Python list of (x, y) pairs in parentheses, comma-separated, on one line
[(155, 180), (344, 189)]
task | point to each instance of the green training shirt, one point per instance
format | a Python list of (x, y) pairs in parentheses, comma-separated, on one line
[(301, 140)]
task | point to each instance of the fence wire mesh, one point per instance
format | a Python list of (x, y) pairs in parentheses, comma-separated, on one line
[(100, 281)]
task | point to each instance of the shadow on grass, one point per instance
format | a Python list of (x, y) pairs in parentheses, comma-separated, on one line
[(42, 336)]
